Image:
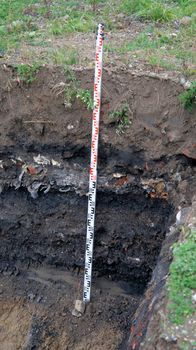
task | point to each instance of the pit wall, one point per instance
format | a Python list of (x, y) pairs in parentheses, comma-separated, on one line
[(152, 328)]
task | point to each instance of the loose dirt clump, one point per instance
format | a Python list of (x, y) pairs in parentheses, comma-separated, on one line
[(144, 175)]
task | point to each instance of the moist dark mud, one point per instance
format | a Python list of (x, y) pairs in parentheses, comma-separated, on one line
[(44, 164)]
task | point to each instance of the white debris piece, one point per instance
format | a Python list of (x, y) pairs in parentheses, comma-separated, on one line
[(41, 160), (118, 175), (55, 163)]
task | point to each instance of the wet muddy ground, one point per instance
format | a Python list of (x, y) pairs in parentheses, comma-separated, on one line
[(143, 177)]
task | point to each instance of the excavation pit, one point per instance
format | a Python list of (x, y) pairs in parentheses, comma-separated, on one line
[(45, 153)]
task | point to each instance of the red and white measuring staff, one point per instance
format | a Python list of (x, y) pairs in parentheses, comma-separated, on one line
[(93, 166)]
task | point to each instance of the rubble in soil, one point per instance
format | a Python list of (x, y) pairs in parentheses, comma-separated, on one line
[(143, 176)]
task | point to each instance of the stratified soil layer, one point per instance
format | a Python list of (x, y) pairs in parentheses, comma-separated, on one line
[(44, 163)]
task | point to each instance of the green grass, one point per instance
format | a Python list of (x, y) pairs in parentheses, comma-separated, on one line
[(20, 26), (182, 279), (85, 96), (80, 22), (121, 118), (64, 57), (158, 11), (27, 73), (14, 23), (76, 21), (72, 91), (188, 98), (140, 43), (163, 49), (148, 9), (60, 17), (13, 9), (56, 27), (157, 61), (109, 48)]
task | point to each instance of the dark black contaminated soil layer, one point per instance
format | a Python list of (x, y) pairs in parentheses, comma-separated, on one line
[(51, 230)]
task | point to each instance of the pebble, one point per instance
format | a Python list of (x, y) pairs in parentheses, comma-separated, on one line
[(182, 80), (79, 308), (39, 299), (173, 338), (76, 313), (70, 127), (194, 298), (182, 216), (31, 296), (177, 177), (185, 82)]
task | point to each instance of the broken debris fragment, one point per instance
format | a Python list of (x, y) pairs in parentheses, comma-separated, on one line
[(55, 163), (41, 160), (34, 188), (156, 188)]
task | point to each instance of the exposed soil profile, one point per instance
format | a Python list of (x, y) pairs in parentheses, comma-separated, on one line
[(144, 176)]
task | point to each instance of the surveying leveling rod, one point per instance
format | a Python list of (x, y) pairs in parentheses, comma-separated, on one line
[(93, 166)]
